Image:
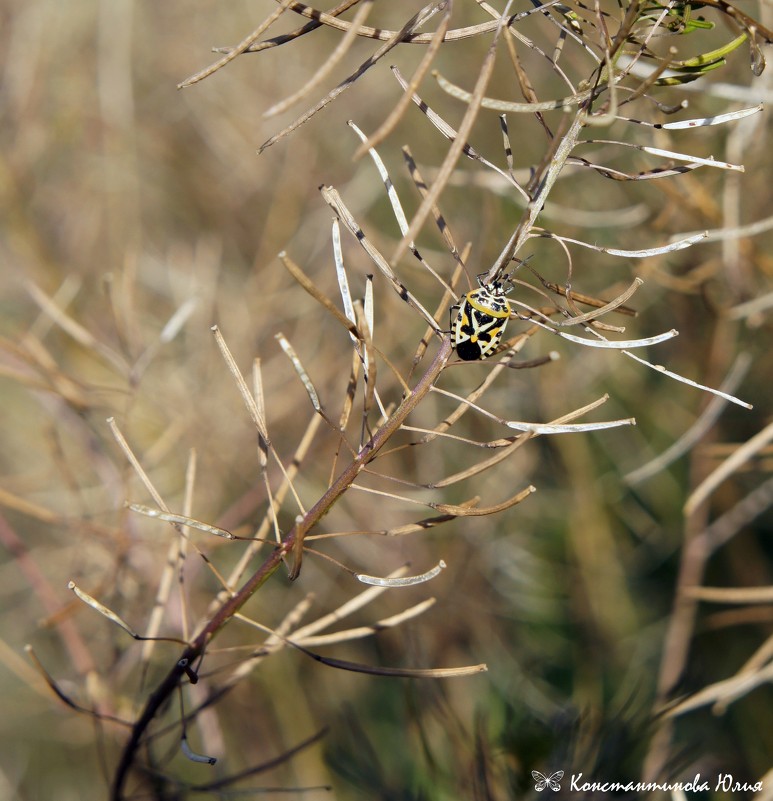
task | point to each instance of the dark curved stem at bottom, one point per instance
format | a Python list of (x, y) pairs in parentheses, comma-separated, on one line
[(293, 542)]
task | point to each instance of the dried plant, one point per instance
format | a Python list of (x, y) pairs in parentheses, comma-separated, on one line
[(373, 414)]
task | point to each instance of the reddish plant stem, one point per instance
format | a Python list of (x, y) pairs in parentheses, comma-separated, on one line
[(366, 454), (292, 542)]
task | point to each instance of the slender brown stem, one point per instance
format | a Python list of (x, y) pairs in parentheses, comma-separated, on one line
[(366, 454), (292, 542)]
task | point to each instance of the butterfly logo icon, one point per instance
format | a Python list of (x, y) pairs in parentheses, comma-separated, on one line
[(547, 781)]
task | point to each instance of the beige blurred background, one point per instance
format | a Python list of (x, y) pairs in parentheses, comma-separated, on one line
[(125, 201)]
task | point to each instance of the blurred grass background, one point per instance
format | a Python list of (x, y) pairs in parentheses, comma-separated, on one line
[(123, 199)]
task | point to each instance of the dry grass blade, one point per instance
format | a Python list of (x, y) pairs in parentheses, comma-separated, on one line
[(114, 618), (136, 249), (398, 531), (242, 47), (345, 610), (452, 135), (12, 501), (293, 35), (699, 428), (397, 208), (732, 595), (297, 461), (457, 146), (103, 610), (737, 232), (483, 465), (263, 448), (698, 122), (653, 174), (561, 150), (619, 344), (660, 369), (382, 34), (76, 330), (347, 635), (322, 72), (170, 330), (135, 463), (416, 21), (366, 454), (334, 200), (244, 391), (540, 428), (508, 447), (731, 465), (175, 553), (184, 520), (396, 114), (669, 154), (602, 305), (679, 244), (724, 528), (440, 221), (602, 308), (509, 107), (407, 673), (300, 370), (64, 698), (726, 691)]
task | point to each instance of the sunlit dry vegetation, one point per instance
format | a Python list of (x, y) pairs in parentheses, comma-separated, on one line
[(263, 529)]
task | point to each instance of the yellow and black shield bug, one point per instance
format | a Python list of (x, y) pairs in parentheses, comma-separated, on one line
[(480, 321)]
